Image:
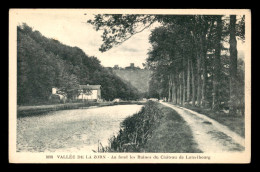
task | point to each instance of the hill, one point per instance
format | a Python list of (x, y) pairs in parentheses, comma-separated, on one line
[(43, 63), (139, 78)]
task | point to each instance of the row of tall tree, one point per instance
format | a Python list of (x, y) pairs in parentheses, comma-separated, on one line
[(43, 63), (193, 64), (193, 57)]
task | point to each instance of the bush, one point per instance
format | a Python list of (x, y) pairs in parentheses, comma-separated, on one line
[(54, 98)]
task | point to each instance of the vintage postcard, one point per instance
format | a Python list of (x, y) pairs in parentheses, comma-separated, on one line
[(129, 86)]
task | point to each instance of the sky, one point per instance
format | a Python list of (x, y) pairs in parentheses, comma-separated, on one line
[(71, 28)]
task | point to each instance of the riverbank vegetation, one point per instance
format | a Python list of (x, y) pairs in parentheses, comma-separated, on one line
[(155, 128)]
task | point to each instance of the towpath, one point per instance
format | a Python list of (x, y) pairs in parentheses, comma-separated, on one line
[(210, 135)]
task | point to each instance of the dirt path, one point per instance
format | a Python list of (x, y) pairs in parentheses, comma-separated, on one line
[(210, 135)]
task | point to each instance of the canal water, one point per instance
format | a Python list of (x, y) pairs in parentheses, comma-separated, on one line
[(71, 130)]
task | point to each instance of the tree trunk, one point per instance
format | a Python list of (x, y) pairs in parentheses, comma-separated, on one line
[(173, 88), (177, 94), (198, 82), (233, 65), (183, 83), (169, 90), (188, 81), (204, 81), (193, 84), (203, 56), (181, 89), (176, 88), (217, 67), (173, 93)]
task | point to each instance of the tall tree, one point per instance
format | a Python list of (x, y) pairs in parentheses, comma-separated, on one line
[(217, 66), (193, 83), (188, 80), (233, 65)]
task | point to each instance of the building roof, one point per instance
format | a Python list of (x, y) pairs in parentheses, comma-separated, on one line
[(91, 87)]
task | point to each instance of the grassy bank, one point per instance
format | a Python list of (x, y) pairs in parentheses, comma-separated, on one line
[(42, 109), (235, 123), (155, 128)]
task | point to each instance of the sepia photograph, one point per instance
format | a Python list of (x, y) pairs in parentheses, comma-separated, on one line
[(129, 86)]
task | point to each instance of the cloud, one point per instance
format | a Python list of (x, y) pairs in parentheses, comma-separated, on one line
[(71, 29), (130, 49)]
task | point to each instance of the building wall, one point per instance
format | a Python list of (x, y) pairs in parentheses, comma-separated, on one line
[(94, 95), (54, 90), (99, 93)]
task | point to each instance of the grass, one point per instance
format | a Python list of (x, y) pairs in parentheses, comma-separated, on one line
[(236, 123), (173, 135), (155, 128)]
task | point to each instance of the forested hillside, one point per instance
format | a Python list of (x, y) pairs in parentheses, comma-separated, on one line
[(43, 63), (139, 78)]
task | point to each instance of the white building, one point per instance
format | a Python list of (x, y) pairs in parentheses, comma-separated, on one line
[(62, 95), (89, 92)]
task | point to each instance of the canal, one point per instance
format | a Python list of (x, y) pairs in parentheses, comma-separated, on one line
[(71, 130)]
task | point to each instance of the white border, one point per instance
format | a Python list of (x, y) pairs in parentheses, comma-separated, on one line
[(17, 157)]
